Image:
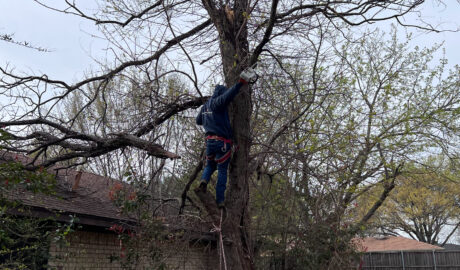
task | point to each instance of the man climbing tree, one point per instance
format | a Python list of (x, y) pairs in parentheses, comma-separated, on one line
[(149, 41), (214, 118)]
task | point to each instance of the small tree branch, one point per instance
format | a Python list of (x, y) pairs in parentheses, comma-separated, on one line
[(267, 34), (44, 78), (78, 12), (172, 110), (388, 187), (9, 38), (450, 234), (192, 178), (209, 203)]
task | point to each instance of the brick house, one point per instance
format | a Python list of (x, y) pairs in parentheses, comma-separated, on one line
[(93, 246)]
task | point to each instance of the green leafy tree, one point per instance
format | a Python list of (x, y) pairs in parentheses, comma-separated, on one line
[(355, 121), (424, 204), (24, 238)]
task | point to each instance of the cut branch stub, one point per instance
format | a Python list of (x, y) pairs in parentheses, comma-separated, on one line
[(209, 204)]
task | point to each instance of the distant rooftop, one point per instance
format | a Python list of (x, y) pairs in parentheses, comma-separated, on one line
[(392, 243)]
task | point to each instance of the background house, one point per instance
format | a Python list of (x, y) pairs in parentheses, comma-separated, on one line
[(391, 252), (392, 243), (86, 198)]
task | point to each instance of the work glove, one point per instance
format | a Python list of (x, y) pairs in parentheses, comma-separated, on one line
[(248, 76)]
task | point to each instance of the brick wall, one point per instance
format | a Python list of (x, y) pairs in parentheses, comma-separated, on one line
[(93, 250)]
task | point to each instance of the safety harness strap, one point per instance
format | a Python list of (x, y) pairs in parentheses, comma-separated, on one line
[(224, 157), (215, 137), (226, 141)]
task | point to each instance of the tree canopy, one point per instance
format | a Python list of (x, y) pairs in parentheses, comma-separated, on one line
[(423, 205)]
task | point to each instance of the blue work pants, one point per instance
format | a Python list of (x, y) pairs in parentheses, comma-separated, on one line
[(216, 152)]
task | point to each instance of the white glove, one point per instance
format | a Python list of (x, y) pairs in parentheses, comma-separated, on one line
[(249, 75)]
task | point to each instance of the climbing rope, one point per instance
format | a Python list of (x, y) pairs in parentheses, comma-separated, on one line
[(218, 229)]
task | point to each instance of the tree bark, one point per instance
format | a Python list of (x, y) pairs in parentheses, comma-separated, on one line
[(234, 50)]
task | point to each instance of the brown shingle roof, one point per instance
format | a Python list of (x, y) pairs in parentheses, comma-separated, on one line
[(91, 203), (90, 198), (391, 243)]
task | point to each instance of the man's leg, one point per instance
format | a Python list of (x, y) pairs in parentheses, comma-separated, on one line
[(221, 181), (211, 164), (209, 170)]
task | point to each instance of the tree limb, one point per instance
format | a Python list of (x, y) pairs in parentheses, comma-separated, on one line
[(192, 178), (267, 34)]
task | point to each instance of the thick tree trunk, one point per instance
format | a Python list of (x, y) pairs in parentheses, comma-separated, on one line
[(235, 57), (236, 226)]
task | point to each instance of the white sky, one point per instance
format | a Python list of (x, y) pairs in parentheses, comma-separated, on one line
[(69, 37)]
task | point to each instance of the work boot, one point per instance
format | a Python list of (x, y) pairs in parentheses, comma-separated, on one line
[(203, 186), (221, 205)]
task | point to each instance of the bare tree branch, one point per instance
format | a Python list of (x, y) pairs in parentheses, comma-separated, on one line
[(23, 80)]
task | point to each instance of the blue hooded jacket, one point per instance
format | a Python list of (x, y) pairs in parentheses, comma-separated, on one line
[(214, 113)]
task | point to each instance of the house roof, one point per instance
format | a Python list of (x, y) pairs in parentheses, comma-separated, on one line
[(87, 198), (391, 243)]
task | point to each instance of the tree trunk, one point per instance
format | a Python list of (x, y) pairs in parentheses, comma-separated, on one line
[(235, 57), (237, 224)]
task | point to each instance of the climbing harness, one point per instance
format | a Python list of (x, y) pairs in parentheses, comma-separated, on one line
[(215, 137), (227, 154), (218, 229), (224, 157)]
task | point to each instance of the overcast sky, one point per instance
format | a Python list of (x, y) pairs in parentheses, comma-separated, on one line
[(72, 48), (68, 38)]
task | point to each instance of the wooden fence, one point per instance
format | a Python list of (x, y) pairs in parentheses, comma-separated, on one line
[(389, 260), (412, 260)]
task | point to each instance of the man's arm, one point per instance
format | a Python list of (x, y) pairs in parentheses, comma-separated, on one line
[(223, 100)]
